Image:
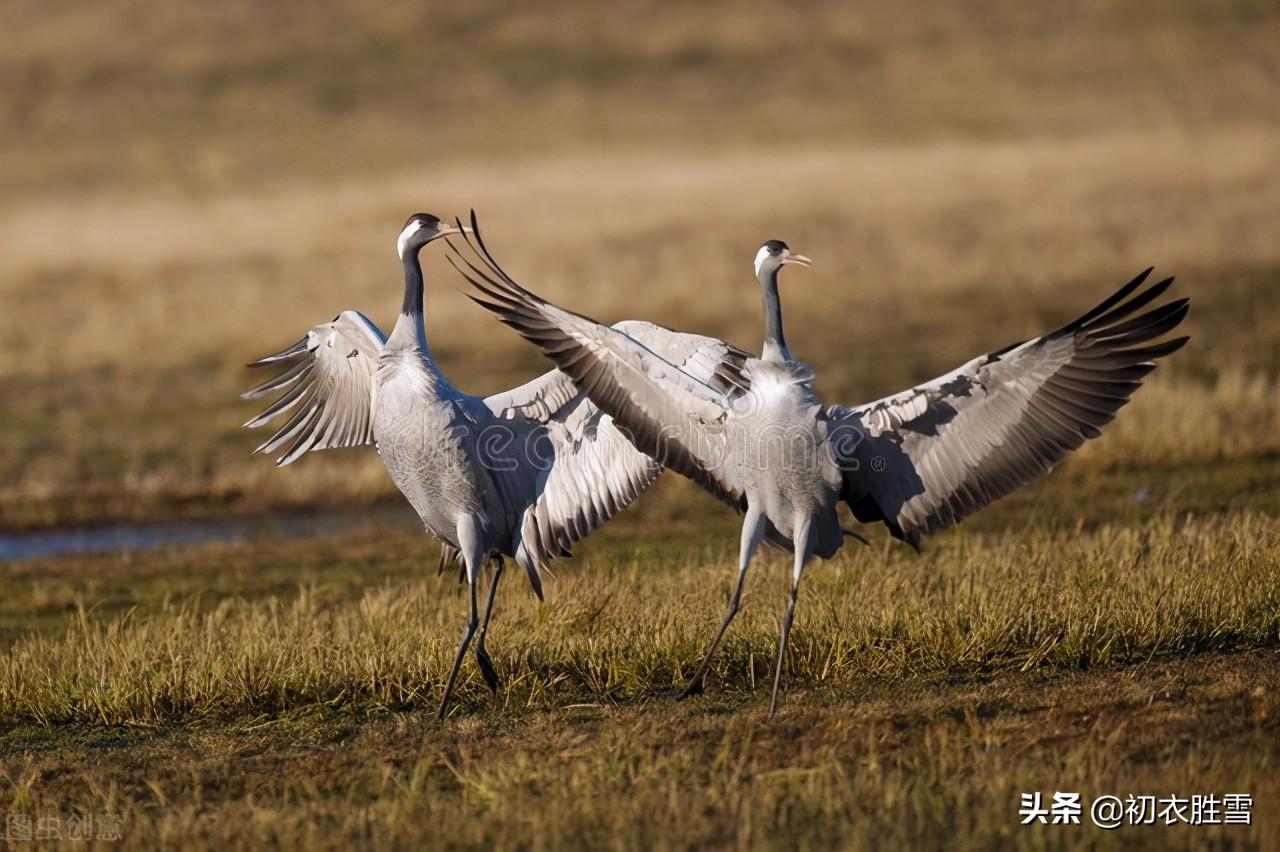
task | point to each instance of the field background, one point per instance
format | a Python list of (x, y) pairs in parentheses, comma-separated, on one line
[(187, 186)]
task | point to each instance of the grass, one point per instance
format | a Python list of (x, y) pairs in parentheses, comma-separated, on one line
[(192, 99), (928, 764), (93, 446), (958, 188), (188, 186), (923, 693), (1116, 596)]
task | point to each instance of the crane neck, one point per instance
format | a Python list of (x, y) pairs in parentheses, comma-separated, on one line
[(410, 332), (413, 285), (775, 343)]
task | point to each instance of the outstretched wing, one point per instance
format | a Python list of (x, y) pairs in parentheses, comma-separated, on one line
[(584, 474), (668, 412), (584, 470), (326, 388), (595, 472), (721, 366), (925, 458)]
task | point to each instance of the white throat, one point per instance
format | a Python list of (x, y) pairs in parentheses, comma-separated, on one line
[(409, 230), (761, 256)]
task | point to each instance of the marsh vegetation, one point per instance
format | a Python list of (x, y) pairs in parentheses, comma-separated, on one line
[(187, 187)]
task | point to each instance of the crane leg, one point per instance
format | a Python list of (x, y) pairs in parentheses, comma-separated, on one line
[(752, 533), (482, 655), (473, 554), (801, 542)]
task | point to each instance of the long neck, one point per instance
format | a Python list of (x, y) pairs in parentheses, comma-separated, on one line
[(412, 285), (775, 344), (410, 333)]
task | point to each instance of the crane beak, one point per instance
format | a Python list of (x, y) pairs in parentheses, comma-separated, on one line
[(447, 229), (798, 259)]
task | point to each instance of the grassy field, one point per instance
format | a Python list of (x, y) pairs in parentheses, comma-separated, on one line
[(189, 186), (252, 693)]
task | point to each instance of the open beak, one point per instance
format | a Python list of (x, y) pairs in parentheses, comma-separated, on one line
[(797, 259)]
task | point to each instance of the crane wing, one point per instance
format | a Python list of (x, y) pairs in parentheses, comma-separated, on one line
[(594, 473), (923, 459), (538, 399), (590, 471), (326, 388), (669, 413), (719, 365)]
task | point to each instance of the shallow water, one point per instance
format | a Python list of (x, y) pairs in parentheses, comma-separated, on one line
[(126, 538)]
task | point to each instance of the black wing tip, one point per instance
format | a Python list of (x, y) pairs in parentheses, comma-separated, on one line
[(1171, 346), (1154, 323), (488, 306), (1120, 304), (534, 572)]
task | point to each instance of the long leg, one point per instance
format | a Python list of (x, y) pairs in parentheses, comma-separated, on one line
[(752, 533), (473, 554), (482, 655), (801, 542)]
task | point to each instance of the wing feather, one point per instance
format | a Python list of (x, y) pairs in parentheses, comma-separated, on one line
[(583, 473), (593, 474), (924, 459), (328, 388), (656, 398)]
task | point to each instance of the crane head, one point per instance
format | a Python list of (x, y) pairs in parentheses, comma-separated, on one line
[(420, 229), (775, 254)]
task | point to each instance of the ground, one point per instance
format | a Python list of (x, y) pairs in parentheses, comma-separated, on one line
[(256, 692), (188, 187)]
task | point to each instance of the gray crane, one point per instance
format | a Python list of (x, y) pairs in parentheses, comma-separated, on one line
[(523, 474), (759, 439)]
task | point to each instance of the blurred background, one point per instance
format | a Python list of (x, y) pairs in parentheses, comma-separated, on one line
[(187, 186)]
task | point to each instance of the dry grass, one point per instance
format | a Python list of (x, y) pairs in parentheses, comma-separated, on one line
[(138, 413), (187, 186), (235, 175), (929, 767), (923, 695), (1179, 421), (617, 633), (193, 98), (933, 766)]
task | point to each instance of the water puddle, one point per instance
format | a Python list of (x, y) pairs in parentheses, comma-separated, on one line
[(127, 538)]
